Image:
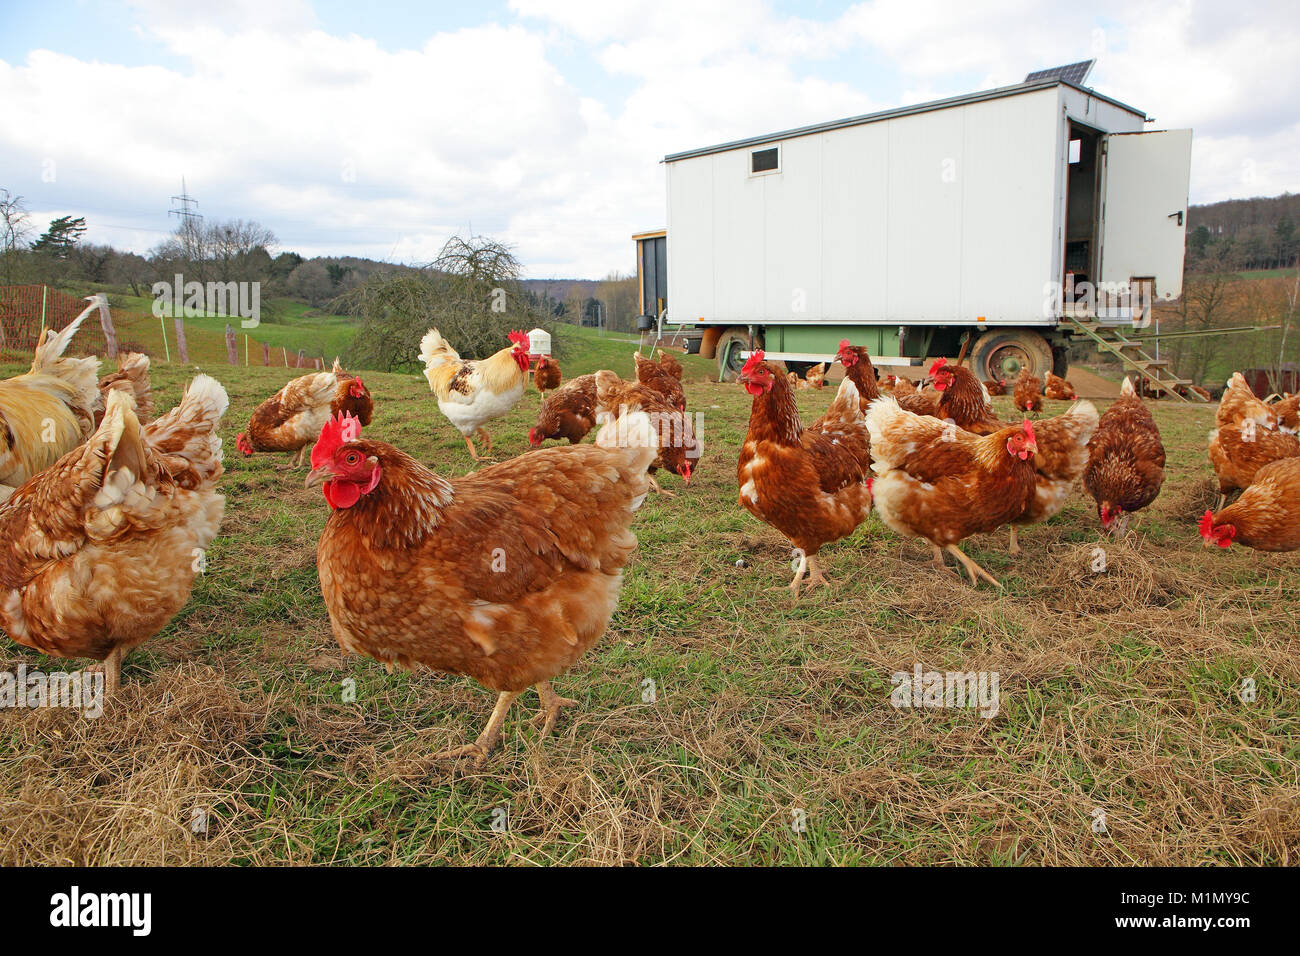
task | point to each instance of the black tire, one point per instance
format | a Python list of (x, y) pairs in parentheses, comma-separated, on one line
[(1001, 354), (729, 360)]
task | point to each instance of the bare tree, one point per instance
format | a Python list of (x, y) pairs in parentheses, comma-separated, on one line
[(233, 250), (471, 293), (618, 297), (14, 228)]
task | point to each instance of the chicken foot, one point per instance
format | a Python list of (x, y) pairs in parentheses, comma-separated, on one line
[(473, 452), (793, 586), (815, 576), (809, 566), (971, 567), (491, 735), (654, 485), (551, 704)]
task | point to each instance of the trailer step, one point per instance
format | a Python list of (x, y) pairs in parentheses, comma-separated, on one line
[(1133, 357)]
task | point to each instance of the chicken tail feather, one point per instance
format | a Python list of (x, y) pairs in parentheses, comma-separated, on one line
[(186, 437), (435, 351)]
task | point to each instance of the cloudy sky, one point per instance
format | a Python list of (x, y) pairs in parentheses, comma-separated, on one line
[(379, 129)]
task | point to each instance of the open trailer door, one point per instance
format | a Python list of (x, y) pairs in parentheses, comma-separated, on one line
[(1144, 208)]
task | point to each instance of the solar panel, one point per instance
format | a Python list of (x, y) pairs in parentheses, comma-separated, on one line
[(1074, 73)]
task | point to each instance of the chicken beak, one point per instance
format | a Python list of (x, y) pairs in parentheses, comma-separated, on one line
[(317, 476)]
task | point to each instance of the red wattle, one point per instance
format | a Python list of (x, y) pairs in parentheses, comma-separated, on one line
[(341, 494)]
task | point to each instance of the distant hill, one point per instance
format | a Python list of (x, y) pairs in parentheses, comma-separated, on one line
[(562, 290), (1258, 233)]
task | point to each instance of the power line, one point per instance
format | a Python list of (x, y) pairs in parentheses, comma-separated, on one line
[(185, 214)]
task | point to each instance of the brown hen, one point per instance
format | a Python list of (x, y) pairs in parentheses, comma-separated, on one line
[(507, 575), (1126, 461), (813, 484)]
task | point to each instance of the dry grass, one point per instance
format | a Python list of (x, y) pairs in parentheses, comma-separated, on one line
[(1120, 694)]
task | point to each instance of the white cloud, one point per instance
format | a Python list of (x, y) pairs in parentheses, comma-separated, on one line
[(340, 145)]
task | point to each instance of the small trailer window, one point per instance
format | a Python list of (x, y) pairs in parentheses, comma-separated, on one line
[(765, 160), (1076, 151)]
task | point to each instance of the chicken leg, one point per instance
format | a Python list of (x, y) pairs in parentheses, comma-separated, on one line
[(491, 735), (111, 667), (473, 452), (551, 704), (1014, 547), (793, 586), (113, 672), (971, 567)]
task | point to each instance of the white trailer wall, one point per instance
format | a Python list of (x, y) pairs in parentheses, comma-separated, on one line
[(932, 217)]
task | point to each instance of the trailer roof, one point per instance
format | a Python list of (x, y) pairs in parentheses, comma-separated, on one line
[(965, 99)]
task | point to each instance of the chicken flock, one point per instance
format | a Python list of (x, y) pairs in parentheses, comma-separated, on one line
[(509, 574)]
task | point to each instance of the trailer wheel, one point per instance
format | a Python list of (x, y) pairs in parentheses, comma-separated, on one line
[(1002, 354), (730, 345)]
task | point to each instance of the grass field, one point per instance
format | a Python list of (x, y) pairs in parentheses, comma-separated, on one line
[(286, 324), (1120, 694)]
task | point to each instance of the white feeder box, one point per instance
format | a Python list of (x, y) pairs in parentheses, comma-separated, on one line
[(539, 343)]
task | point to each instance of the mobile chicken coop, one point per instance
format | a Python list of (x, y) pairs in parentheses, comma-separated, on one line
[(1002, 223)]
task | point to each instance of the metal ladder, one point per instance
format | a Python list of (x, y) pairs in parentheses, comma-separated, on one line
[(1132, 355)]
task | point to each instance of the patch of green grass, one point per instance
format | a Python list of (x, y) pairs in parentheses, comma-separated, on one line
[(714, 709)]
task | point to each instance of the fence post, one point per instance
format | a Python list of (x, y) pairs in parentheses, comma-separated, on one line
[(266, 353), (182, 350), (45, 294), (232, 346), (106, 323)]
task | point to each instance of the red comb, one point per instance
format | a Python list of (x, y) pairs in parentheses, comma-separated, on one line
[(752, 362), (518, 337), (1207, 523), (336, 432), (1029, 430), (938, 364), (844, 344)]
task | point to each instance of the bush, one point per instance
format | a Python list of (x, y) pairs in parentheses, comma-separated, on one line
[(471, 294)]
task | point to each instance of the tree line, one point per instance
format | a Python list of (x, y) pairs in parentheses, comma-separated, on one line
[(1244, 234), (238, 250)]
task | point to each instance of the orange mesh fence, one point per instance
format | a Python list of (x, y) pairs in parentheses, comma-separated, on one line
[(26, 309)]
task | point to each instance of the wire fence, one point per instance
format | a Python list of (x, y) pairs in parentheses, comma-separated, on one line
[(26, 310)]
